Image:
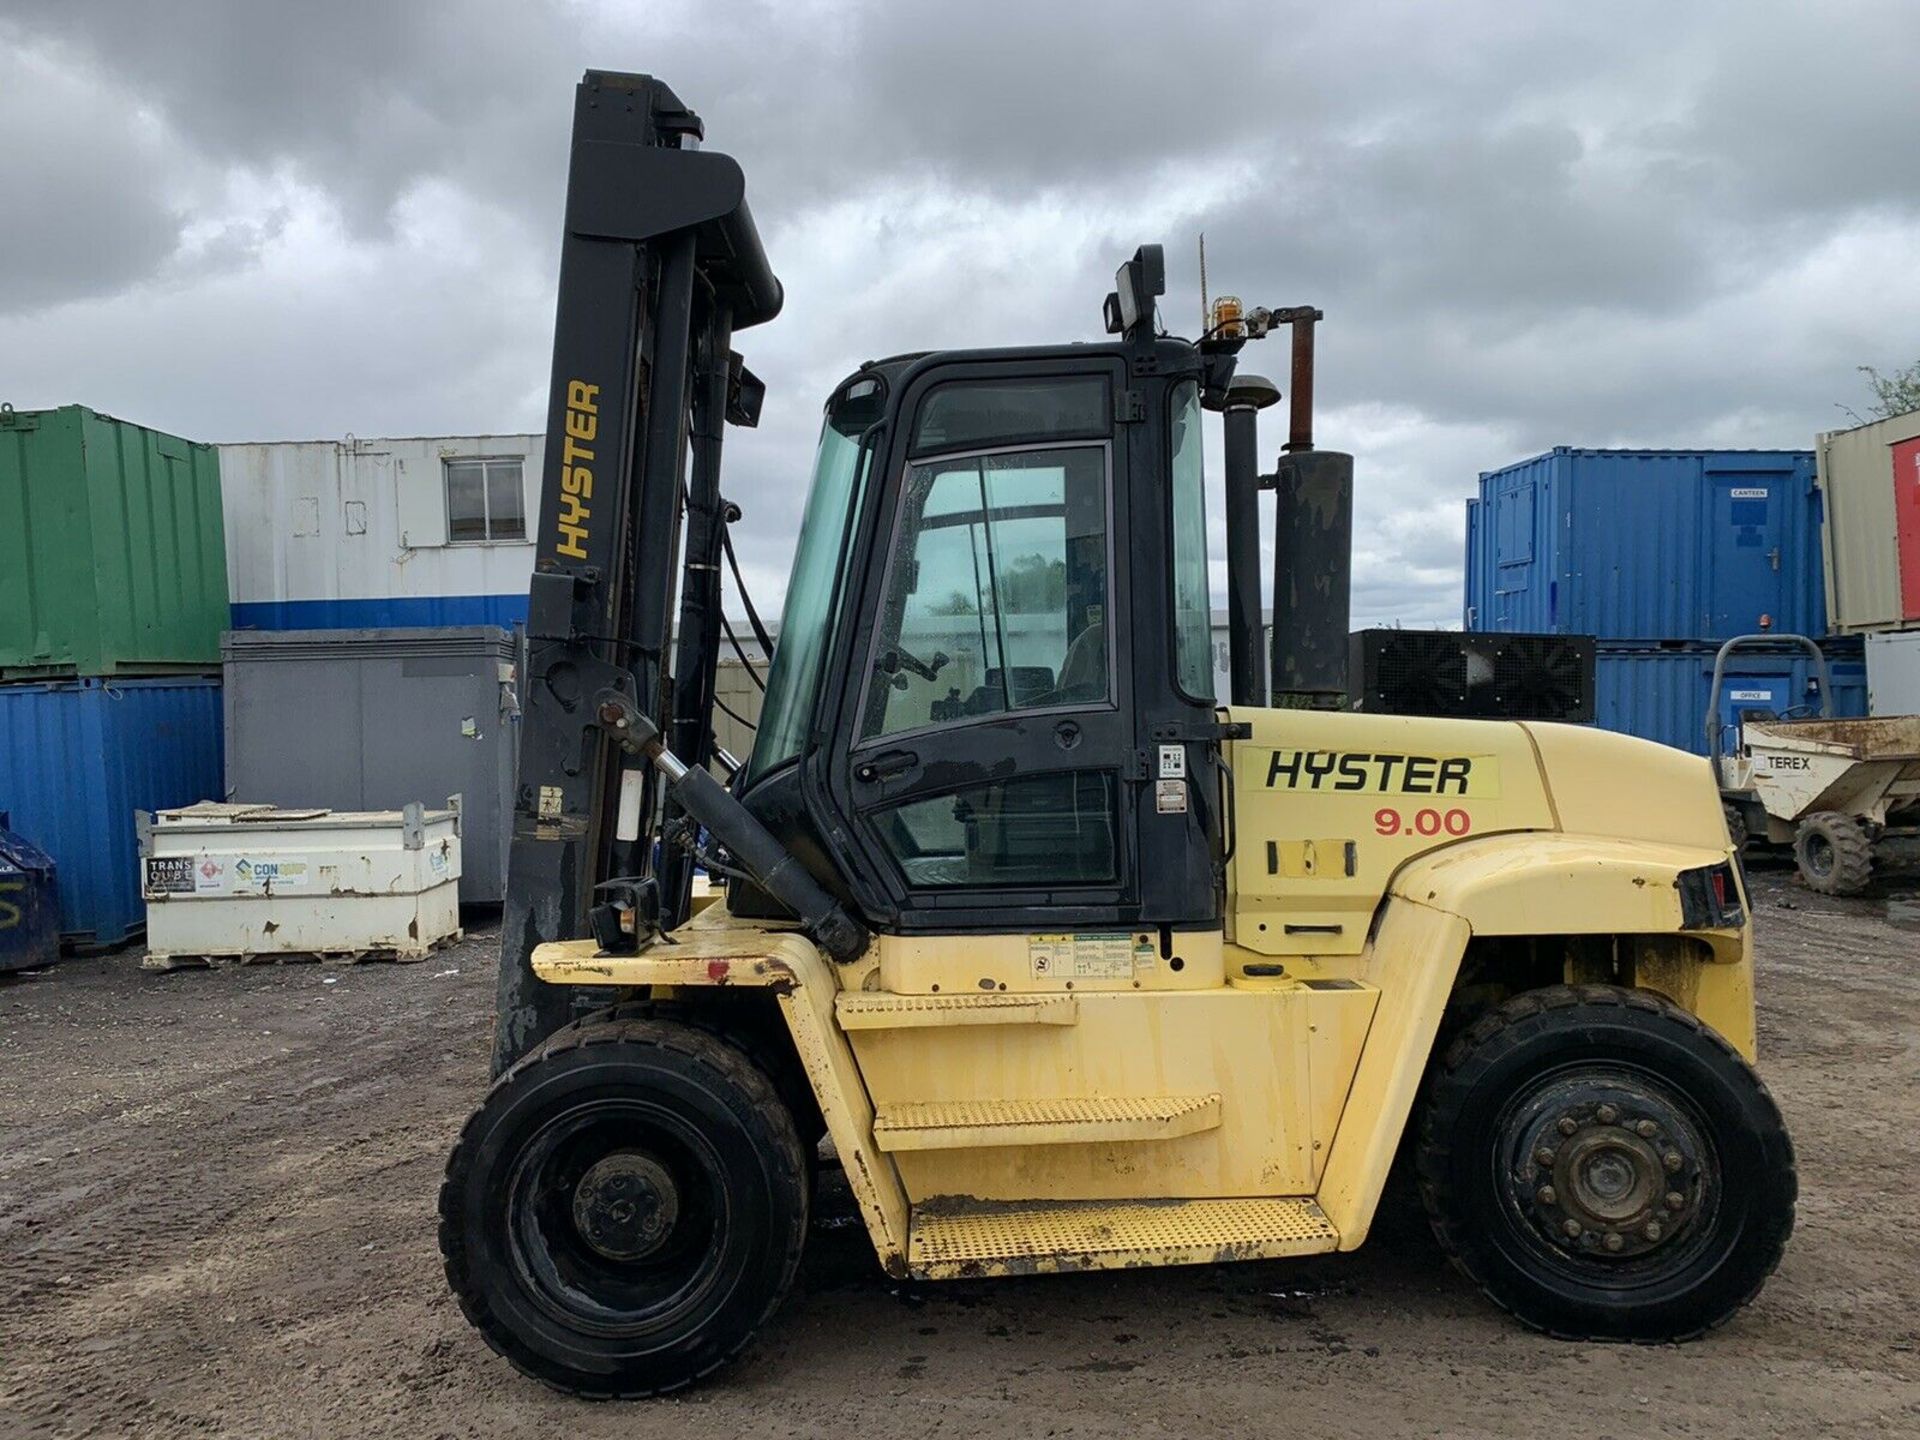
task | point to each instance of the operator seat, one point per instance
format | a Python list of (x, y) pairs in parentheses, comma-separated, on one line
[(1083, 674)]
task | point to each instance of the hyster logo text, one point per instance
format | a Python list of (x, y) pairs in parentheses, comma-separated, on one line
[(576, 471), (1359, 771)]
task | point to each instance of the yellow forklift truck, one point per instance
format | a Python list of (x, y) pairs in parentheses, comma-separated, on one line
[(1076, 965)]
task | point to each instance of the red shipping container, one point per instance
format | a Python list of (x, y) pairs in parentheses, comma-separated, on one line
[(1906, 512)]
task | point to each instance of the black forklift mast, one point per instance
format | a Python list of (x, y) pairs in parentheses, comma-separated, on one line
[(661, 264)]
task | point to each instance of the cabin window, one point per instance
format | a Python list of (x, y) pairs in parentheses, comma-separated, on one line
[(998, 591), (486, 501)]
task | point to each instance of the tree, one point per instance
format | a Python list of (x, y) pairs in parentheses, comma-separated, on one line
[(958, 603), (1893, 394)]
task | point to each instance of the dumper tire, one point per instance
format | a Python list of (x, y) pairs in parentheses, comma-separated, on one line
[(602, 1124), (1737, 833), (1533, 1127), (1834, 853)]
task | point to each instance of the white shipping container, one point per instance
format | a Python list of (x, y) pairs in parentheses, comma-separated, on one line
[(1893, 673), (359, 534), (1870, 526), (250, 880)]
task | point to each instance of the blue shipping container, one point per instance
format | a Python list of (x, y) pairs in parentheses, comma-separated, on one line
[(1661, 694), (1648, 545), (78, 758)]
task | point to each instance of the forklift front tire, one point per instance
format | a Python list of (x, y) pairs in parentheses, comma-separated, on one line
[(625, 1209), (1605, 1167)]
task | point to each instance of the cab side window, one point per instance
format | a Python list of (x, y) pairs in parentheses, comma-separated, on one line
[(998, 590)]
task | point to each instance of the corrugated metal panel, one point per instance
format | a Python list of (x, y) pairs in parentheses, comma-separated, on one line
[(1479, 577), (1648, 545), (1861, 537), (354, 535), (112, 558), (735, 689), (78, 758), (1662, 694), (375, 719)]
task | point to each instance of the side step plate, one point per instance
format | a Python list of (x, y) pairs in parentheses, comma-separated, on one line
[(985, 1124), (1029, 1238), (860, 1010)]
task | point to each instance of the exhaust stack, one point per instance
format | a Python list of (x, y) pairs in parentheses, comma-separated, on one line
[(1312, 579), (1312, 548)]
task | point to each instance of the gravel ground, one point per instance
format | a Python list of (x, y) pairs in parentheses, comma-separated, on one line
[(216, 1219)]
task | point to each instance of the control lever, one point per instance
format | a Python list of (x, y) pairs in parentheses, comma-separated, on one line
[(892, 661)]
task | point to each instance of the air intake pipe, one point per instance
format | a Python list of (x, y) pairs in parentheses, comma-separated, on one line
[(1246, 397)]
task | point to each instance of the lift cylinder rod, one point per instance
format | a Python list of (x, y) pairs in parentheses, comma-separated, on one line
[(772, 866)]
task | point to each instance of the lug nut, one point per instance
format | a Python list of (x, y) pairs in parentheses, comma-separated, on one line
[(1568, 1125), (1606, 1114), (1545, 1195), (1647, 1129), (1675, 1200), (1653, 1230), (1543, 1157), (1613, 1240), (1673, 1161), (1571, 1229)]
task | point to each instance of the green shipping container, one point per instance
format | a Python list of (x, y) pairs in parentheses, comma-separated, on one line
[(113, 557)]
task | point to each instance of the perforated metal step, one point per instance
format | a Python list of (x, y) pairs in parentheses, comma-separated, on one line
[(981, 1124), (859, 1010), (1029, 1238)]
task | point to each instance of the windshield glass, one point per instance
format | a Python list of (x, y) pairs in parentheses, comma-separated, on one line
[(806, 620)]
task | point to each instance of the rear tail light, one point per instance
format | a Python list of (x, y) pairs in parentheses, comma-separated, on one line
[(1710, 898)]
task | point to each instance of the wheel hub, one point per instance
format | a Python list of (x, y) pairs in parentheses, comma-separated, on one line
[(1611, 1179), (625, 1205), (1819, 852)]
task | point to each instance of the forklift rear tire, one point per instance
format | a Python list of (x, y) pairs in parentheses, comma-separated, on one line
[(625, 1209), (1834, 853), (1605, 1167)]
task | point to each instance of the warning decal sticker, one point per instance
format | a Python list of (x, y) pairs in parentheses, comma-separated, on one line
[(1086, 957), (170, 875)]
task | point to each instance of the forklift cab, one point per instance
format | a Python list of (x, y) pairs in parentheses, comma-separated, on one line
[(996, 644)]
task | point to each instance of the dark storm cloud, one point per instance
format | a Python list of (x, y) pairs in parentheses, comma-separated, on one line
[(1632, 223), (366, 96), (88, 207)]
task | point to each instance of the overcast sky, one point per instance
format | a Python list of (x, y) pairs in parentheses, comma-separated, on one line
[(1528, 224)]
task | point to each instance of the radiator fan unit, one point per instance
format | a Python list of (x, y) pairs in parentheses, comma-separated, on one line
[(1474, 676)]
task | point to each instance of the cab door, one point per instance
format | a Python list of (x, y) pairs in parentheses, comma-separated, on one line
[(991, 733)]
